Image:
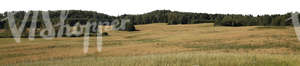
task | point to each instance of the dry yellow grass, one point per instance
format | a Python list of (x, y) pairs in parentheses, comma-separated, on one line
[(158, 39)]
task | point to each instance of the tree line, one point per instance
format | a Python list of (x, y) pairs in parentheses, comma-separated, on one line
[(73, 18), (161, 16), (175, 17)]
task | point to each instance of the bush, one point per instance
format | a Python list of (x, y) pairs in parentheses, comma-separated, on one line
[(129, 26), (104, 34)]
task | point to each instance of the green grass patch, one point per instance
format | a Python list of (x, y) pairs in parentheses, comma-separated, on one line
[(148, 40), (242, 46), (272, 27), (179, 59)]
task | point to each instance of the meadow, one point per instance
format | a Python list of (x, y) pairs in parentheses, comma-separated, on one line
[(163, 45)]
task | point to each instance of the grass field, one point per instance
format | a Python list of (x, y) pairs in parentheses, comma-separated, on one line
[(160, 44)]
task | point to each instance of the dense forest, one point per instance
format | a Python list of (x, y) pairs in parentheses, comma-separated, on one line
[(175, 17), (160, 16)]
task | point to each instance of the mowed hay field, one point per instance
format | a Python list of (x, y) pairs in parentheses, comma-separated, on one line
[(163, 45)]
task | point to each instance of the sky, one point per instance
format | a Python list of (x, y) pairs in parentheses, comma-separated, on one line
[(120, 7)]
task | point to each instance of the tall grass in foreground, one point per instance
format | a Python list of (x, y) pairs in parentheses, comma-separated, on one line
[(180, 59)]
